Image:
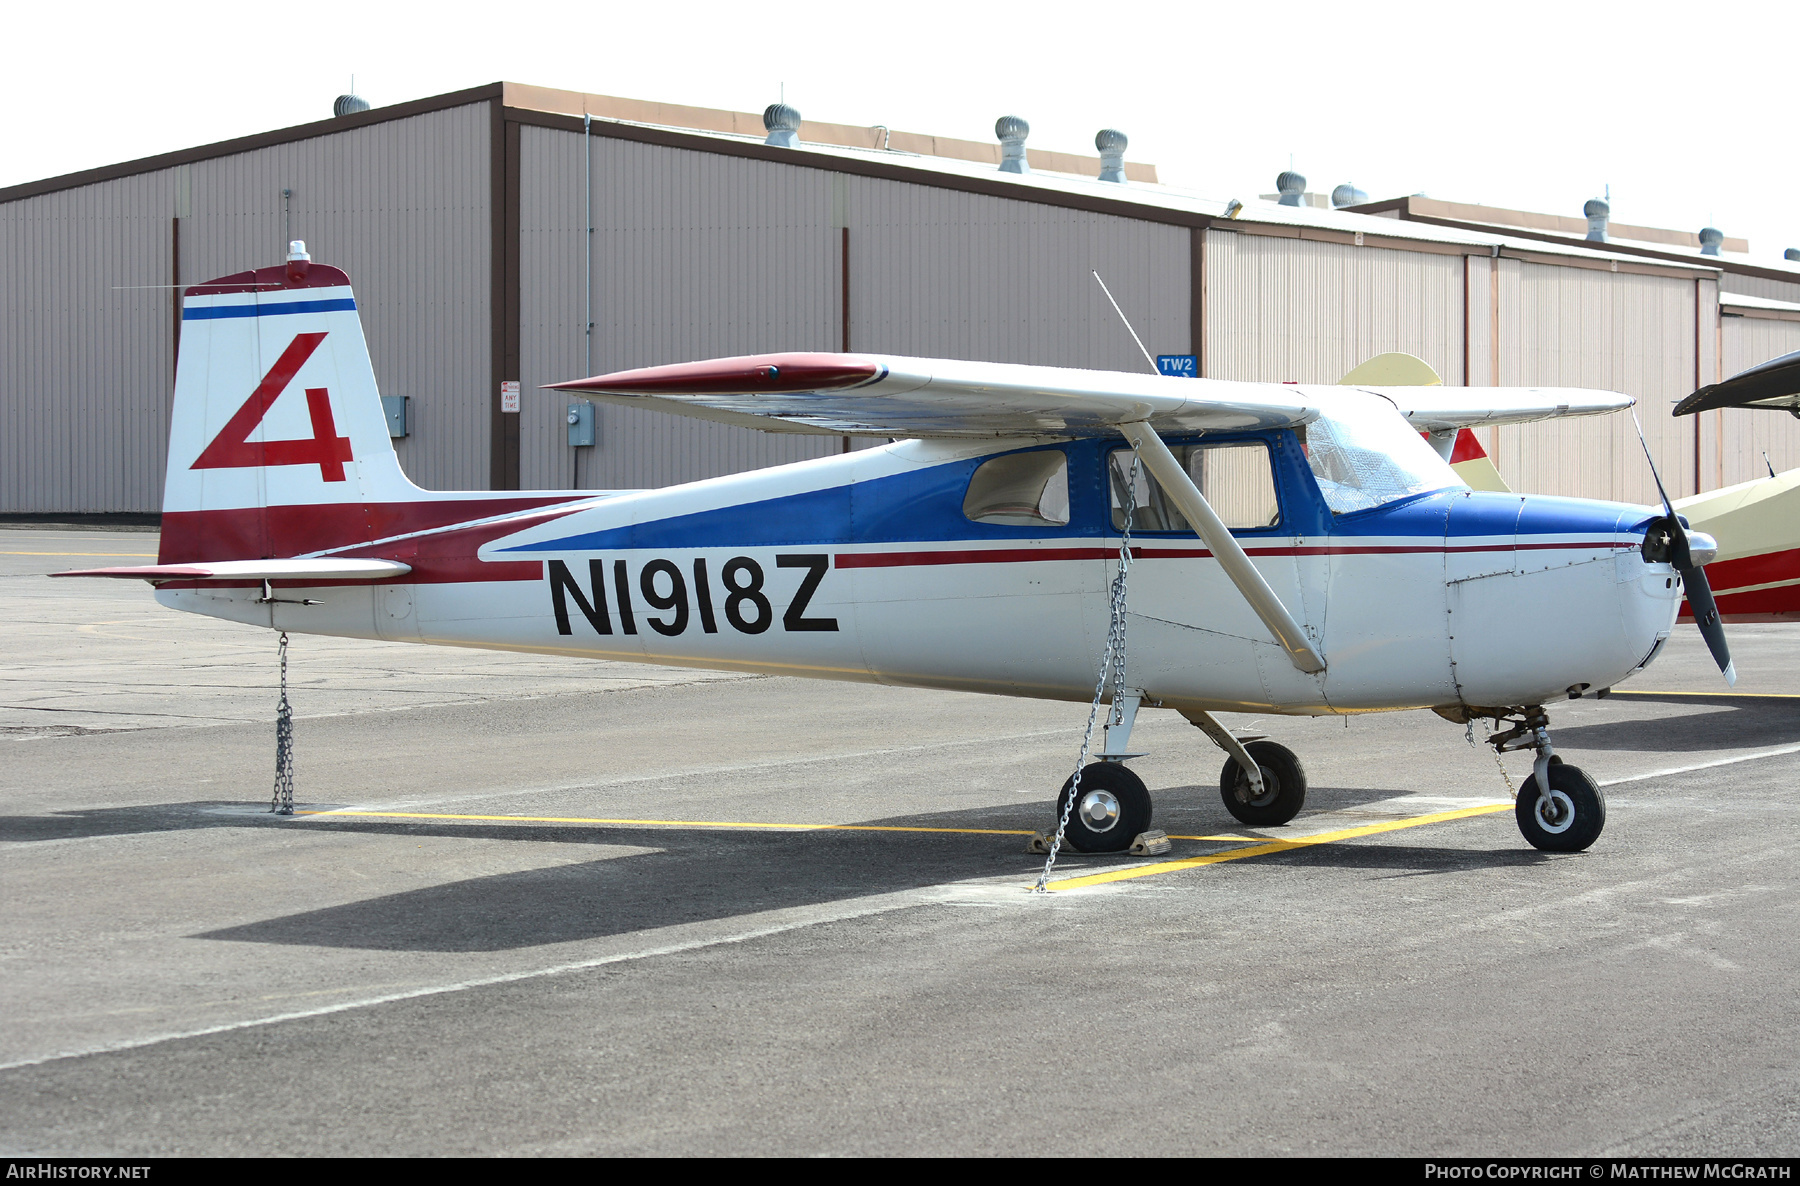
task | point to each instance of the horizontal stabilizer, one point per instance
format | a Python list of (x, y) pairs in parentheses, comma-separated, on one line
[(1772, 384), (254, 570)]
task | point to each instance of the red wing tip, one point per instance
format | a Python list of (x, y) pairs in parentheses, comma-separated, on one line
[(749, 375)]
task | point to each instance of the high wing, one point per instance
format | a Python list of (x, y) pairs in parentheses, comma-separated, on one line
[(1773, 384), (890, 396), (1441, 409), (886, 396)]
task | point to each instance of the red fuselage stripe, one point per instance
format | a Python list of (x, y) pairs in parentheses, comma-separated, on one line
[(1032, 555)]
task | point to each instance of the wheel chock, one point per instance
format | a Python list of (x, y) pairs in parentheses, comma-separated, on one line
[(1153, 843), (1146, 844)]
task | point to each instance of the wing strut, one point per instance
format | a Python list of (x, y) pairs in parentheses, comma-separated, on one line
[(1213, 533)]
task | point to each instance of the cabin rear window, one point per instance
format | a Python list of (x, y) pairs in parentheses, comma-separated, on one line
[(1235, 478), (1021, 490), (1364, 454)]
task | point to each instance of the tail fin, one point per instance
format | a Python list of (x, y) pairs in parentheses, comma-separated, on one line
[(1393, 369), (1471, 463), (278, 444)]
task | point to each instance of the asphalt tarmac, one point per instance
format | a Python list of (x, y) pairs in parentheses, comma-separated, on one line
[(544, 906)]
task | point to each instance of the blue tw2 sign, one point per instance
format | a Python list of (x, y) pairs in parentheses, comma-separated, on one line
[(1182, 366)]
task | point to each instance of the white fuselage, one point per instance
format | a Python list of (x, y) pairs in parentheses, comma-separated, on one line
[(862, 567)]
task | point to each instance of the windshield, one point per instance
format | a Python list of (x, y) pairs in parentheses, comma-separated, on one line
[(1364, 454)]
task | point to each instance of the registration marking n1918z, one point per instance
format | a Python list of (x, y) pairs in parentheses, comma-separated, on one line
[(665, 587)]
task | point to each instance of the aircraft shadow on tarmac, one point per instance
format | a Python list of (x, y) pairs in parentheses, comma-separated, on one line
[(694, 875), (1741, 724), (1188, 809)]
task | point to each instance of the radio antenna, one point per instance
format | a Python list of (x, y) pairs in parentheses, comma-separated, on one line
[(1127, 321)]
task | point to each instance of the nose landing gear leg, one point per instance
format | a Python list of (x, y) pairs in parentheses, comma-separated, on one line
[(1559, 809)]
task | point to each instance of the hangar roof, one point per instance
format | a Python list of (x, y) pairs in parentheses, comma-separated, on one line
[(1622, 239), (1744, 305), (1058, 179)]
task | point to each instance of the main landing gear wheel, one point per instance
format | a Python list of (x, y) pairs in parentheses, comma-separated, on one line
[(1284, 786), (1114, 807), (1569, 819)]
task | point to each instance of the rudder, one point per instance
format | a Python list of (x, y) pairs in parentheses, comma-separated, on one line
[(277, 444)]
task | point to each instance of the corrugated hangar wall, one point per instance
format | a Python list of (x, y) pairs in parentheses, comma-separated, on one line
[(1570, 326), (89, 323), (706, 248), (86, 365), (1297, 310), (1745, 341), (701, 255), (1284, 310), (694, 256)]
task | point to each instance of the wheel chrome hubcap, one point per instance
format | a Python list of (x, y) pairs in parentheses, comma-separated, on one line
[(1555, 812), (1099, 810)]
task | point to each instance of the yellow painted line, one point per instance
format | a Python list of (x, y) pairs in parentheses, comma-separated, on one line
[(668, 823), (1259, 850), (1232, 839), (133, 555)]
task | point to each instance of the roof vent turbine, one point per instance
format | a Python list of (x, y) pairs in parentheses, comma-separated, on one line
[(1710, 239), (1291, 185), (1791, 253), (1346, 195), (1011, 131), (1111, 142), (1598, 211), (349, 105), (783, 123)]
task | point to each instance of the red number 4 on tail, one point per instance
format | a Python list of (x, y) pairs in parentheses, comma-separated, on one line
[(233, 448)]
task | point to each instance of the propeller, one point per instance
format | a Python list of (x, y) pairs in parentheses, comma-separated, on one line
[(1680, 549)]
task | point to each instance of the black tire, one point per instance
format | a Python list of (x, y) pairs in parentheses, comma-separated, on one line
[(1572, 791), (1114, 808), (1284, 786)]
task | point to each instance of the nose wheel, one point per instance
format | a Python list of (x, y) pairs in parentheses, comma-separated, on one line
[(1559, 809), (1112, 806), (1566, 819)]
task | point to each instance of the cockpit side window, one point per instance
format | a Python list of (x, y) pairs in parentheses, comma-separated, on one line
[(1021, 490), (1235, 477)]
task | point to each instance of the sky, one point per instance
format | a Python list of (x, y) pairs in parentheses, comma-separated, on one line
[(1685, 112)]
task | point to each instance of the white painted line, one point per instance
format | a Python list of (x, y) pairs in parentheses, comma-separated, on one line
[(1751, 757), (777, 922)]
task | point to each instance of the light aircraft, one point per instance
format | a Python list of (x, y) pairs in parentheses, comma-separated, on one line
[(1295, 549), (1757, 523)]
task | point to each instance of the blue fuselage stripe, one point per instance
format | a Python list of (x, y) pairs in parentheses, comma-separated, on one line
[(219, 312), (925, 506)]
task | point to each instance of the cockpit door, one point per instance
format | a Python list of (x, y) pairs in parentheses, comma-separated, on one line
[(1191, 632)]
